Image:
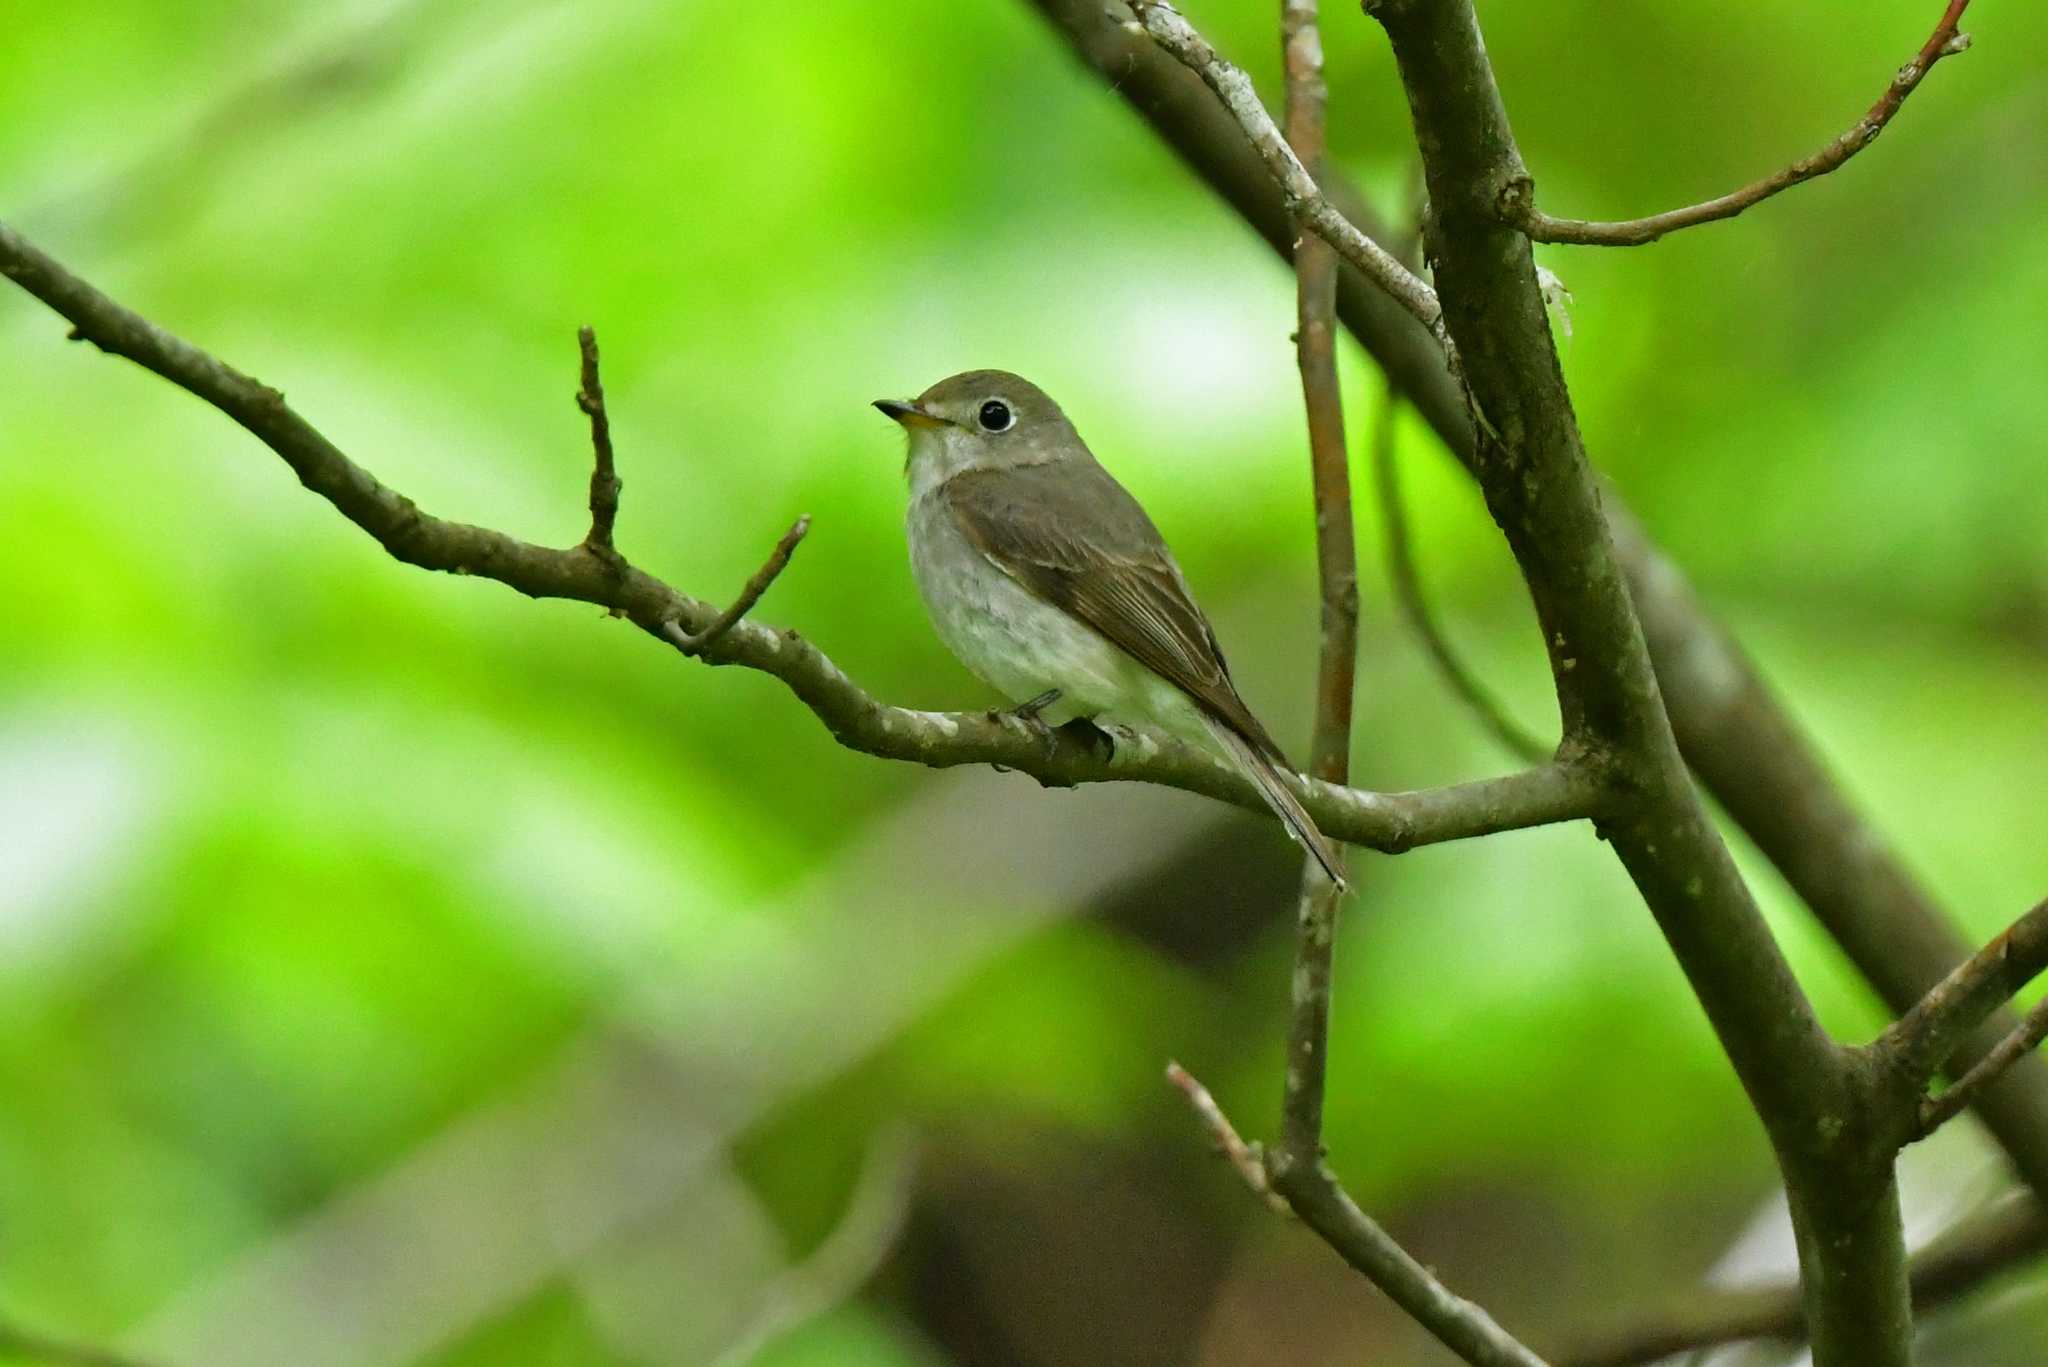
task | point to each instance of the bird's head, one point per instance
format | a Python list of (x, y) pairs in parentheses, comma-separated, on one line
[(981, 420)]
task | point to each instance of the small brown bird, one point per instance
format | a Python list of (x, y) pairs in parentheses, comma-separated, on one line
[(1049, 582)]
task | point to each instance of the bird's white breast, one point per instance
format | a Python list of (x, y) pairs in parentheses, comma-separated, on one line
[(1015, 642)]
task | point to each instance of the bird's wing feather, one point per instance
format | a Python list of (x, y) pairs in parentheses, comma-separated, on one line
[(1073, 536)]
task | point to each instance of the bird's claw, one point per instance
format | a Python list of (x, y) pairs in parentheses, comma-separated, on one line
[(1031, 722), (1028, 712)]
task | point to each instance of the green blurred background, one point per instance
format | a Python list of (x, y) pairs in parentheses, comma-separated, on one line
[(395, 970)]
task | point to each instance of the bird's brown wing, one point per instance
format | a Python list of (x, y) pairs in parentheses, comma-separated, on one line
[(1073, 536)]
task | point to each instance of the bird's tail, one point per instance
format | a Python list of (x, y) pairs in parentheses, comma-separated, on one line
[(1265, 776)]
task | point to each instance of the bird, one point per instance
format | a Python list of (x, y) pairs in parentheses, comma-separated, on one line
[(1049, 582)]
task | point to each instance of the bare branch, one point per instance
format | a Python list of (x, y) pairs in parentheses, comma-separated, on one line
[(1738, 736), (1305, 201), (1543, 494), (2022, 1040), (1466, 1329), (777, 561), (1296, 1169), (1826, 1116), (1384, 821), (604, 478), (1246, 1158), (1736, 733), (1313, 1194), (1518, 205), (1926, 1037), (1990, 1241), (1315, 344), (1414, 602)]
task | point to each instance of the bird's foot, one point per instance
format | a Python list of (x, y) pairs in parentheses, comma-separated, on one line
[(1028, 712)]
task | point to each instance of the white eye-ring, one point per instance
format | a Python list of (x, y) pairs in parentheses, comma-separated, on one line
[(995, 416)]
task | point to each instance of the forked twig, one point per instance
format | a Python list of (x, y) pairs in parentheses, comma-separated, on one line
[(1518, 205)]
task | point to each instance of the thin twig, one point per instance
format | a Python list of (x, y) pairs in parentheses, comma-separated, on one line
[(778, 559), (1244, 1157), (1988, 1242), (1414, 603), (1921, 1041), (1315, 269), (1305, 201), (604, 478), (1311, 1192), (1466, 1329), (1518, 205), (1384, 821), (2023, 1039)]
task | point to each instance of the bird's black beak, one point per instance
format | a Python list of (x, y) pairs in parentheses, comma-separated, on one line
[(909, 414)]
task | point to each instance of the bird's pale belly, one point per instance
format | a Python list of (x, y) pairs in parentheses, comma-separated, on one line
[(1022, 646)]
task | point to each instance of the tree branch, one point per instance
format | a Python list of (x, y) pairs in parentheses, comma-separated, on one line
[(1542, 493), (1991, 1241), (1734, 731), (1314, 1195), (1315, 346), (1244, 1158), (1739, 739), (778, 560), (1518, 206), (604, 478), (1384, 821), (1815, 1101), (1926, 1037), (1305, 201), (2021, 1041), (1466, 1329)]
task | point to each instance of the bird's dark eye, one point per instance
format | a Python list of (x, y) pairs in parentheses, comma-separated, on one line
[(995, 416)]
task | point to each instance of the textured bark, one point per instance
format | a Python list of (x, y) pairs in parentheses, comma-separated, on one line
[(1820, 1105), (1735, 733)]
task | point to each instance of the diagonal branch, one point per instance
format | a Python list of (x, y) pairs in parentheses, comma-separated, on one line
[(1466, 1329), (1518, 205), (1312, 1193), (1245, 1158), (778, 560), (1817, 1106), (1305, 201), (1384, 821), (2021, 1041), (1315, 345), (1926, 1037), (1755, 758), (1736, 733)]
